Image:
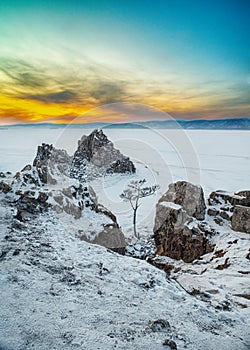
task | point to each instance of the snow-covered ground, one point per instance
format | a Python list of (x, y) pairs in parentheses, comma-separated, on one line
[(58, 292)]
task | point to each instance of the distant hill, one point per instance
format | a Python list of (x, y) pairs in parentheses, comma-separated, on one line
[(201, 124)]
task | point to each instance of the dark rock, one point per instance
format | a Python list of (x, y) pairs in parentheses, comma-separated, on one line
[(16, 252), (223, 266), (241, 219), (27, 168), (218, 221), (122, 166), (170, 343), (4, 187), (19, 215), (159, 325), (246, 197), (49, 162), (189, 196), (223, 197), (174, 238), (111, 237), (212, 212), (32, 203), (224, 215), (96, 156)]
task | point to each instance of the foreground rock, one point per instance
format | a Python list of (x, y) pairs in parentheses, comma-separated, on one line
[(177, 233), (96, 156), (231, 207), (224, 197), (241, 219), (187, 195)]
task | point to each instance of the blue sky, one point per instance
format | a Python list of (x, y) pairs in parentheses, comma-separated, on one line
[(59, 59)]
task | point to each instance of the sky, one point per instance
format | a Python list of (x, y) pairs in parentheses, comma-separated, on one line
[(82, 61)]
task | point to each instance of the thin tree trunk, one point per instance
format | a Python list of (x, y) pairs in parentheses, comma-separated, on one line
[(134, 223)]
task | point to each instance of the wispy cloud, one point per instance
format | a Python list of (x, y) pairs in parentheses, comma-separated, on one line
[(45, 91)]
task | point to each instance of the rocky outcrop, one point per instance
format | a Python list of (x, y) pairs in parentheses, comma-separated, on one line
[(189, 196), (49, 166), (72, 200), (231, 207), (46, 185), (51, 163), (96, 156), (111, 237), (241, 219), (31, 203), (224, 197), (177, 232)]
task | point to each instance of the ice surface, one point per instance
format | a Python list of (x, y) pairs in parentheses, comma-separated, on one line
[(214, 159)]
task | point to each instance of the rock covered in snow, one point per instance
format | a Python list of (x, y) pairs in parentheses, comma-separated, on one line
[(189, 196), (241, 219), (224, 197), (231, 207), (51, 163), (46, 185), (49, 166), (4, 187), (96, 156), (177, 232)]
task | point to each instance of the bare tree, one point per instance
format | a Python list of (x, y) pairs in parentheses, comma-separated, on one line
[(133, 193)]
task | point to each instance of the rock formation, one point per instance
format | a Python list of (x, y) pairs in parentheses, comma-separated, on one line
[(189, 196), (51, 163), (96, 156), (46, 185), (177, 232), (232, 207), (241, 219)]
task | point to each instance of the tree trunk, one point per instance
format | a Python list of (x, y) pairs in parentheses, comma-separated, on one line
[(134, 224)]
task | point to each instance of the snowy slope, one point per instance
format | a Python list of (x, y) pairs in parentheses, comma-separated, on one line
[(58, 292)]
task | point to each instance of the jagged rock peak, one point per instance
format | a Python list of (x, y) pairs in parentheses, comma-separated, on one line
[(51, 163), (89, 145), (96, 156), (43, 153)]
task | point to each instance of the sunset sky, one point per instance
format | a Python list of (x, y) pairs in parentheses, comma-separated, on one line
[(60, 59)]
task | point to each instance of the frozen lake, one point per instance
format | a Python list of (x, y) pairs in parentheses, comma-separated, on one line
[(212, 158)]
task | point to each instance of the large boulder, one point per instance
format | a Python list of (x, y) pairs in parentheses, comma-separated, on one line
[(96, 156), (189, 196), (110, 237), (177, 232), (241, 219), (175, 236)]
